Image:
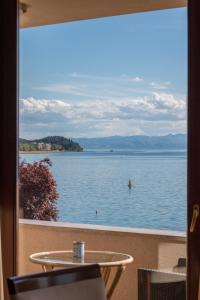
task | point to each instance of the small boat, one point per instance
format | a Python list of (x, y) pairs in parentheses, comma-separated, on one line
[(130, 184)]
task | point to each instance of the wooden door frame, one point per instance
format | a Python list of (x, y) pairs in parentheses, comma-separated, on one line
[(9, 136), (9, 132), (193, 242)]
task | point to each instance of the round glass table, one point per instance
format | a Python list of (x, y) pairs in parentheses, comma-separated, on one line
[(108, 261)]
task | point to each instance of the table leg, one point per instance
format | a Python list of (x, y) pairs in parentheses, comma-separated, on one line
[(116, 279), (106, 274), (47, 268)]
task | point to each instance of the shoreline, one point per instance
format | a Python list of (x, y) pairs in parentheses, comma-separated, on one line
[(39, 152), (45, 151)]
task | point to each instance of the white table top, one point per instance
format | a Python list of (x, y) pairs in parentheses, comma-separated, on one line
[(65, 258)]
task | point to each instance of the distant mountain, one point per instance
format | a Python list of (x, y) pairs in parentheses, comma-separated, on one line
[(50, 143), (137, 142)]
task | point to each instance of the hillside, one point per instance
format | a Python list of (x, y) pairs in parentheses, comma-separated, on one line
[(138, 142), (49, 143)]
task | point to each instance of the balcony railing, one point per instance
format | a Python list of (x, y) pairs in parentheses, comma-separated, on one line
[(153, 249)]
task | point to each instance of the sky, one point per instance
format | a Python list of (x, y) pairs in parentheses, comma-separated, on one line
[(123, 75)]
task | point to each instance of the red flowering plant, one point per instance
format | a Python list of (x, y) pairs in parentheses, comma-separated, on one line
[(37, 191)]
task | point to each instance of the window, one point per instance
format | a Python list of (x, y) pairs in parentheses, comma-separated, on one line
[(115, 87)]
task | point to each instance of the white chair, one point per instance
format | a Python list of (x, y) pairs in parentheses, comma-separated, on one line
[(80, 283)]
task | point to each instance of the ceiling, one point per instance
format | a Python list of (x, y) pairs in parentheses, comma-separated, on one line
[(45, 12)]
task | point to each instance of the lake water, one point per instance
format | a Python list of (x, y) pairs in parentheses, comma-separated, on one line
[(97, 180)]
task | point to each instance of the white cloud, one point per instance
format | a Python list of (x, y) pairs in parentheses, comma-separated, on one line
[(157, 106), (136, 79), (104, 117), (80, 90), (90, 87), (107, 78), (60, 88), (159, 86)]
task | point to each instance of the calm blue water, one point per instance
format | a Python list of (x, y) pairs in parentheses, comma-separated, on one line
[(97, 180)]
